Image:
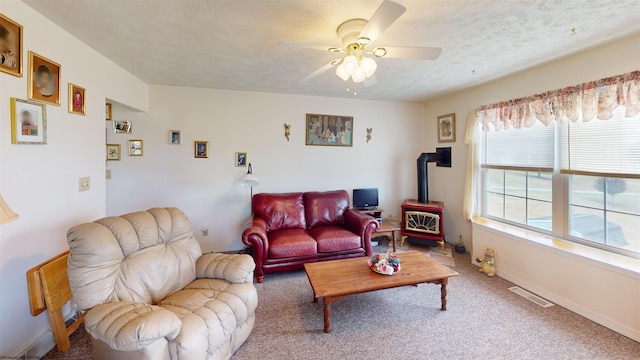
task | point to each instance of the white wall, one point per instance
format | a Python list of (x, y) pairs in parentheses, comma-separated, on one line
[(40, 182), (234, 121), (597, 292)]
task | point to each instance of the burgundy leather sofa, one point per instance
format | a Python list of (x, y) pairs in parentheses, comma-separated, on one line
[(289, 230)]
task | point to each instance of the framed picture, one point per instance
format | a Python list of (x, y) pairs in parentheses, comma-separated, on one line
[(122, 127), (201, 149), (241, 159), (107, 110), (28, 122), (113, 152), (329, 130), (76, 99), (136, 147), (174, 137), (11, 37), (43, 82), (447, 128)]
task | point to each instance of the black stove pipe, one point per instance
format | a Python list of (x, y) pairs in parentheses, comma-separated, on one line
[(442, 157)]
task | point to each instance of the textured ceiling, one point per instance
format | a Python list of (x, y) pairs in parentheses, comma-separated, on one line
[(231, 44)]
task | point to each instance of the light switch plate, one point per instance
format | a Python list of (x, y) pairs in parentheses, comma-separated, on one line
[(108, 174), (84, 183)]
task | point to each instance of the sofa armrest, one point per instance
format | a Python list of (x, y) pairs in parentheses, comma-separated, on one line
[(130, 326), (363, 225), (255, 236), (235, 268)]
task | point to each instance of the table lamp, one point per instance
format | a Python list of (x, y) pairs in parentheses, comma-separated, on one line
[(249, 180), (6, 214)]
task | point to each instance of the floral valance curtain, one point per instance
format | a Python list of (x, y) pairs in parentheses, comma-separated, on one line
[(586, 101)]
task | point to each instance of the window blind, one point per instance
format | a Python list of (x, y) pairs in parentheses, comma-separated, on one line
[(602, 147), (527, 148)]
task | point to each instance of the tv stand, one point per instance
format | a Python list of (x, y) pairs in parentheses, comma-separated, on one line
[(374, 212)]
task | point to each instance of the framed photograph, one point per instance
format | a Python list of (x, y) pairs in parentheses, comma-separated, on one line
[(122, 127), (447, 128), (201, 149), (241, 159), (113, 152), (174, 137), (28, 122), (329, 130), (76, 99), (43, 82), (136, 147), (107, 111), (10, 46)]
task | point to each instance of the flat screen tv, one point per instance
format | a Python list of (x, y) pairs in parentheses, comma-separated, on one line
[(365, 199)]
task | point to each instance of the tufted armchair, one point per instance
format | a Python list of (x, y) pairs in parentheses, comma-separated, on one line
[(151, 294)]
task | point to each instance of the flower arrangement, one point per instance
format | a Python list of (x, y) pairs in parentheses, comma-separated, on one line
[(387, 264)]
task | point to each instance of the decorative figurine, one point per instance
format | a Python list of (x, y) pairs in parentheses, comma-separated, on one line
[(369, 131), (488, 263), (287, 131)]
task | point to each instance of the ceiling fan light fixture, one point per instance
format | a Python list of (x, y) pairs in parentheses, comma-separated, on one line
[(350, 64), (379, 52), (363, 41), (335, 50), (358, 76), (342, 74), (368, 66)]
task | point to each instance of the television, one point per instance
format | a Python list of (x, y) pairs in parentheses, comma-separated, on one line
[(365, 199)]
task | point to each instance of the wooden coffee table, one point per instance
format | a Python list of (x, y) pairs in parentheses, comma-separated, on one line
[(336, 279)]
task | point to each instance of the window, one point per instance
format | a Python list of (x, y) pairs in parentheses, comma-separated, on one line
[(576, 180)]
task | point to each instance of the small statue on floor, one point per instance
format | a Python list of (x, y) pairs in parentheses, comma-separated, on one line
[(488, 263)]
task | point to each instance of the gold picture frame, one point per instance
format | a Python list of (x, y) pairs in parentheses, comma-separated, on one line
[(241, 159), (43, 82), (329, 130), (77, 101), (136, 147), (447, 128), (113, 152), (107, 110), (28, 122), (201, 149), (12, 32)]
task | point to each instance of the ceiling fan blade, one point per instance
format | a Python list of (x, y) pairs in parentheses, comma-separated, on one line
[(387, 14), (299, 45), (370, 81), (410, 52), (321, 70)]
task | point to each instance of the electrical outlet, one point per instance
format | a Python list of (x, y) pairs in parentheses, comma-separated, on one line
[(108, 175), (205, 231), (84, 183)]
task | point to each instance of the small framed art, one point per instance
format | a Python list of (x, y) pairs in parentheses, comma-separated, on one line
[(121, 127), (11, 52), (201, 149), (76, 99), (447, 128), (28, 122), (43, 82), (174, 137), (329, 130), (136, 147), (241, 159), (107, 111), (113, 152)]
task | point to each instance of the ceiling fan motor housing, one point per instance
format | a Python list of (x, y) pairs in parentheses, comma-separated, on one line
[(349, 31)]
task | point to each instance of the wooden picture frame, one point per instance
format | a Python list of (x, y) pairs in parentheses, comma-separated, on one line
[(329, 130), (28, 122), (122, 127), (174, 137), (113, 152), (76, 99), (201, 149), (136, 147), (241, 159), (11, 32), (447, 128), (107, 111), (43, 82)]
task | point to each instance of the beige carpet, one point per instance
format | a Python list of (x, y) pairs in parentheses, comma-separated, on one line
[(484, 320)]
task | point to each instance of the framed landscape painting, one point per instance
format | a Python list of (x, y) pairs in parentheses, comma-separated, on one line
[(43, 82), (329, 130), (28, 122), (10, 46)]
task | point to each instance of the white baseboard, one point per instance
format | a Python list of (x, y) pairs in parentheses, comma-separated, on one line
[(572, 306), (36, 348)]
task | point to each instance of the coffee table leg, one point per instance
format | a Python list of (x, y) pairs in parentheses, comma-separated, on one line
[(393, 239), (443, 293), (327, 313)]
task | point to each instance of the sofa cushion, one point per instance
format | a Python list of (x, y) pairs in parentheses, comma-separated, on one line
[(291, 243), (280, 211), (332, 238), (325, 208)]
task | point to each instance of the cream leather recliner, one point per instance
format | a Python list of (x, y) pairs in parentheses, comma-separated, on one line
[(151, 294)]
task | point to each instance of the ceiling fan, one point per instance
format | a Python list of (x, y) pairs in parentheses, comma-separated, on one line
[(357, 37)]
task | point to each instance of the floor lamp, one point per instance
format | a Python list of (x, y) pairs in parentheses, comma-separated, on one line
[(249, 180)]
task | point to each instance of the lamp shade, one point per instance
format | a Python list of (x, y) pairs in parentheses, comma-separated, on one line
[(350, 64), (358, 76), (368, 66), (342, 74), (248, 180), (6, 214)]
